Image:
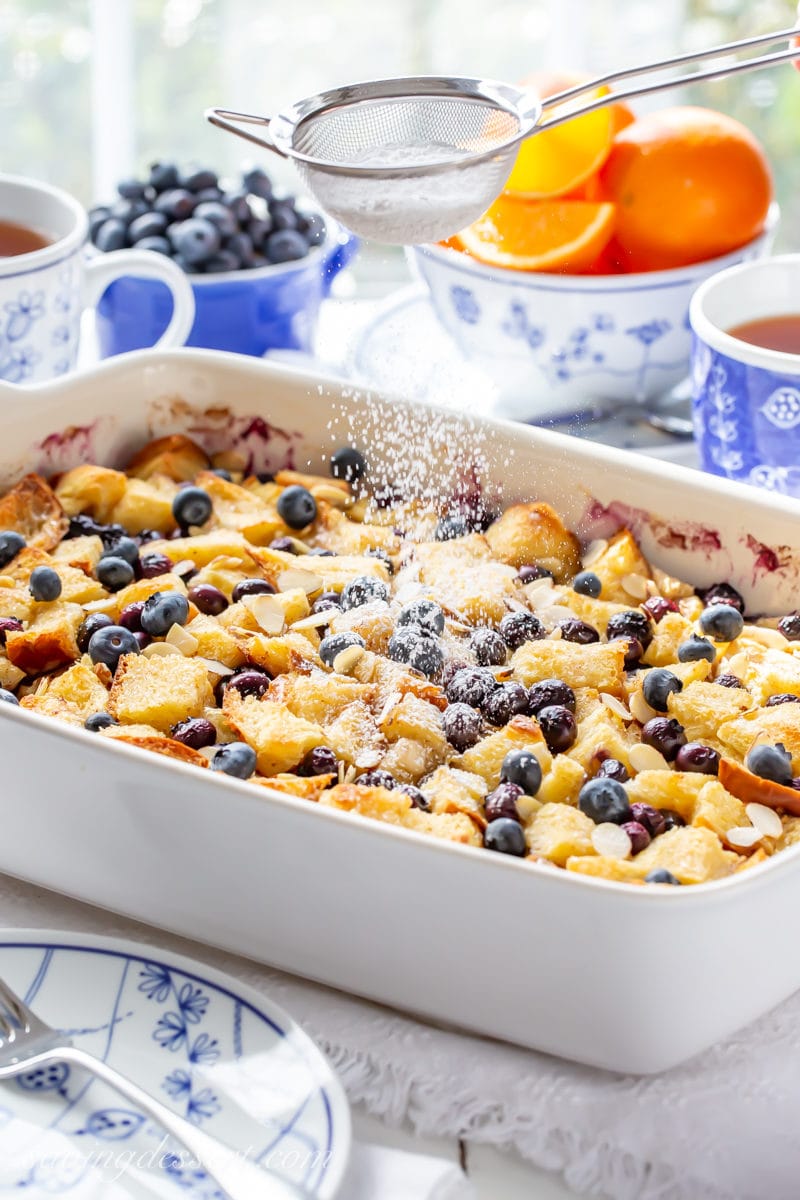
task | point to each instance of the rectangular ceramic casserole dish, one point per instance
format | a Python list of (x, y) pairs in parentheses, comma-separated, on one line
[(629, 978)]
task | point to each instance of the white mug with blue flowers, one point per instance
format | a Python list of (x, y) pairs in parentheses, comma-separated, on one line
[(44, 292)]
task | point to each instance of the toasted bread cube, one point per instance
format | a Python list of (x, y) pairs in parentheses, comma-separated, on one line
[(80, 686), (395, 808), (390, 677), (175, 456), (674, 589), (373, 622), (486, 757), (777, 671), (354, 736), (76, 587), (159, 691), (562, 782), (781, 723), (145, 737), (718, 810), (702, 707), (668, 634), (145, 504), (10, 675), (215, 642), (81, 552), (677, 790), (52, 706), (597, 612), (620, 870), (287, 478), (621, 559), (601, 735), (223, 573), (465, 579), (534, 533), (16, 601), (451, 790), (32, 508), (91, 489), (600, 665), (280, 655), (309, 788), (692, 855), (203, 548), (559, 831), (337, 532), (413, 718), (49, 641), (318, 697), (409, 760), (280, 739)]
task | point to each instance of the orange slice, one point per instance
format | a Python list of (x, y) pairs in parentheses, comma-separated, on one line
[(559, 160), (566, 235)]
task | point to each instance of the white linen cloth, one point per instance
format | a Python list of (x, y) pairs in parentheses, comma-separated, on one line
[(722, 1127)]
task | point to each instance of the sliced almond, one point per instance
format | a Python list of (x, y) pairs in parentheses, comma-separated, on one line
[(315, 620), (184, 567), (331, 494), (7, 582), (615, 705), (159, 650), (594, 550), (765, 636), (392, 701), (213, 667), (611, 840), (766, 820), (640, 709), (182, 640), (743, 837), (555, 634), (646, 758), (635, 585), (296, 577), (267, 611), (346, 659)]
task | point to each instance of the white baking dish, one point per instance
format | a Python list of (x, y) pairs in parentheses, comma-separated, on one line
[(633, 979)]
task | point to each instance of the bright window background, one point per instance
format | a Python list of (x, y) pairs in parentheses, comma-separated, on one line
[(91, 89)]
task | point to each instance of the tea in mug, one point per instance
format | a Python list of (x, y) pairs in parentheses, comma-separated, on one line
[(19, 239), (771, 333)]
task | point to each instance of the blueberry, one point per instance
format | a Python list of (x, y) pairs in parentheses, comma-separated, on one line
[(286, 245), (417, 797), (550, 691), (114, 572), (657, 607), (98, 721), (112, 235), (208, 599), (192, 506), (251, 587), (630, 624), (771, 762), (314, 229), (162, 610), (505, 836), (11, 543), (158, 245), (258, 183), (97, 215), (653, 821), (488, 647), (789, 626), (586, 583), (506, 701), (9, 625), (222, 262), (722, 622), (258, 230), (728, 680), (319, 761), (672, 819), (128, 210), (284, 217), (163, 176), (462, 726), (154, 564), (522, 768), (348, 463), (664, 734), (573, 630), (88, 626), (661, 875), (333, 645), (382, 556), (241, 244), (377, 778), (471, 685), (107, 645), (696, 757), (196, 240), (531, 571), (640, 837), (659, 683), (327, 602), (416, 649), (424, 614), (45, 584), (612, 768), (633, 652), (559, 727), (132, 189), (7, 697), (204, 195), (200, 178), (604, 800), (177, 204), (297, 507), (238, 204), (364, 589), (516, 628), (455, 525), (723, 593), (149, 224), (284, 544), (187, 267), (781, 698), (131, 616), (502, 802), (235, 758), (196, 732), (248, 682), (696, 648)]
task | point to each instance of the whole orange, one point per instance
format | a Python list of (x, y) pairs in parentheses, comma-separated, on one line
[(689, 184)]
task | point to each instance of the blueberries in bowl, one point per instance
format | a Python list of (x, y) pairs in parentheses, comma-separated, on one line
[(191, 218)]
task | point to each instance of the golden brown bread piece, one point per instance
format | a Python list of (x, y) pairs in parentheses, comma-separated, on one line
[(535, 534), (159, 691), (175, 456), (32, 508)]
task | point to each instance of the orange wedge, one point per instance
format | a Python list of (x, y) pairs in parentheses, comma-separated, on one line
[(559, 160), (564, 236)]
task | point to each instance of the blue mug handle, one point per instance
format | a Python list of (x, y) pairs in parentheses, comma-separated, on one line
[(341, 253)]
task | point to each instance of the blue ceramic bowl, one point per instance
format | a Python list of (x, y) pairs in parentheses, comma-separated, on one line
[(746, 399), (249, 312)]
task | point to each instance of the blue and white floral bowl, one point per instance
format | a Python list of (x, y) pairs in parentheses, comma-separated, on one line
[(556, 344)]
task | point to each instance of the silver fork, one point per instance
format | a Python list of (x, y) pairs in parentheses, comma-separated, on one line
[(26, 1043)]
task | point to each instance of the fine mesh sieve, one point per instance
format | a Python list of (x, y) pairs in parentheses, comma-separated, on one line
[(419, 158)]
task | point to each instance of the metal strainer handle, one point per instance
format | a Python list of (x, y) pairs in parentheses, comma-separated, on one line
[(662, 85), (227, 118)]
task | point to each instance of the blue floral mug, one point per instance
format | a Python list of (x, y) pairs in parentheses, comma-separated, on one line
[(44, 292), (746, 398)]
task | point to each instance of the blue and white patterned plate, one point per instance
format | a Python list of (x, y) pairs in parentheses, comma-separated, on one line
[(216, 1051)]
